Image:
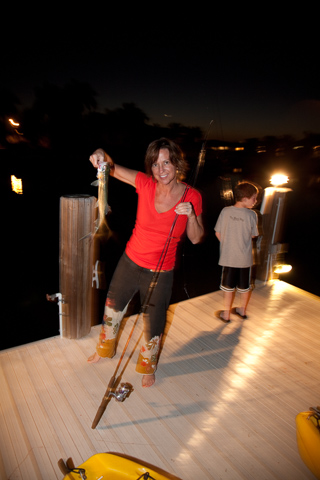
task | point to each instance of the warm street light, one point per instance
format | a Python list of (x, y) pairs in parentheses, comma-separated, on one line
[(16, 185), (279, 179), (282, 268), (13, 123)]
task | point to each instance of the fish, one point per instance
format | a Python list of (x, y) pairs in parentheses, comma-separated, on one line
[(102, 232), (101, 225)]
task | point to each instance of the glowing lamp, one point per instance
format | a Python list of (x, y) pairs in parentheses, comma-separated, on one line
[(16, 185), (13, 123), (282, 268), (279, 179)]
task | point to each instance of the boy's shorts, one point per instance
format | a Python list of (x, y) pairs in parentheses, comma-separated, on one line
[(235, 278)]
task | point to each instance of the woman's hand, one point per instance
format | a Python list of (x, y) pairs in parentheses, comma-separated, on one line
[(126, 175), (195, 230), (100, 156), (185, 208)]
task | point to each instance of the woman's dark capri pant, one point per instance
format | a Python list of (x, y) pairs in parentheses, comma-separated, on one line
[(127, 280)]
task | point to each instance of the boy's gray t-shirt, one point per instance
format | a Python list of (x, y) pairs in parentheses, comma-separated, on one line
[(236, 226)]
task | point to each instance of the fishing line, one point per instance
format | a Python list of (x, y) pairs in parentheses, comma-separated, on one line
[(157, 271), (155, 276)]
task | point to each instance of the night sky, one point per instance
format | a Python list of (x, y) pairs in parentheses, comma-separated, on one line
[(251, 81)]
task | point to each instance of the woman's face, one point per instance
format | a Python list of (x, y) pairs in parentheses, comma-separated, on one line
[(163, 171)]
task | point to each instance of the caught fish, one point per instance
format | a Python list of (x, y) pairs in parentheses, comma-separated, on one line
[(101, 226), (102, 232)]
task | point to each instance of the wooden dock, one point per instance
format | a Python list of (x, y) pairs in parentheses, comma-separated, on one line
[(223, 405)]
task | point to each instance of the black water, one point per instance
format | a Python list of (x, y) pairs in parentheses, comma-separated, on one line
[(31, 238)]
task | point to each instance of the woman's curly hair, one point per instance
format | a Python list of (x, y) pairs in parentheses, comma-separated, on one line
[(175, 154)]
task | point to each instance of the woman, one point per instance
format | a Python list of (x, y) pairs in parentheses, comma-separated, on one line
[(163, 202)]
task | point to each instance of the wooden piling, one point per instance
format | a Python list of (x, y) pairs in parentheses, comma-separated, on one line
[(271, 246), (77, 216)]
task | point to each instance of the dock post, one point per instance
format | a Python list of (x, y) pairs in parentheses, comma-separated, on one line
[(271, 246), (76, 256)]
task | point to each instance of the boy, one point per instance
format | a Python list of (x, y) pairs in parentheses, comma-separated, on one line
[(235, 228)]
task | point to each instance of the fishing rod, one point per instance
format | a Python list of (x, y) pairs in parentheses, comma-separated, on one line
[(125, 389), (194, 178), (201, 157)]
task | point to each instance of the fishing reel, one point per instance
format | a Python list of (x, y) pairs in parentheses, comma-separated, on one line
[(122, 392)]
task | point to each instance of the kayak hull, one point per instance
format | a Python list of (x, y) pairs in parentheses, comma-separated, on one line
[(308, 439), (116, 466)]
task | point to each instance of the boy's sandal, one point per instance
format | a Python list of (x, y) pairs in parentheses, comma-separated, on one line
[(235, 312), (219, 315)]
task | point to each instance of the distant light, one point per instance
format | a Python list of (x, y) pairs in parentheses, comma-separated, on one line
[(13, 123), (279, 179), (282, 268), (220, 147), (16, 185), (261, 149)]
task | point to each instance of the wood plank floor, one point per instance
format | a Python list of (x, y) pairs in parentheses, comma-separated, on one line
[(223, 406)]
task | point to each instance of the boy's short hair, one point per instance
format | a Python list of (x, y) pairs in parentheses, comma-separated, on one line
[(244, 190)]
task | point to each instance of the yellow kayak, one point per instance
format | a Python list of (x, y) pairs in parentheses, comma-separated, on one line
[(113, 466), (308, 438)]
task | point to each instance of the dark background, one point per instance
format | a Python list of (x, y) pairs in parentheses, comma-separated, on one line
[(117, 79), (31, 229)]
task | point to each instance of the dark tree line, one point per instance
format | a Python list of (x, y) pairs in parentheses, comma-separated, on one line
[(67, 119), (65, 122)]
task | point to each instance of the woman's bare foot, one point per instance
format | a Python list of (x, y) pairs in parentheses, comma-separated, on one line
[(94, 358), (148, 380)]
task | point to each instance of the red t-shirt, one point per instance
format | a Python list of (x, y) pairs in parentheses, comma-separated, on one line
[(151, 230)]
